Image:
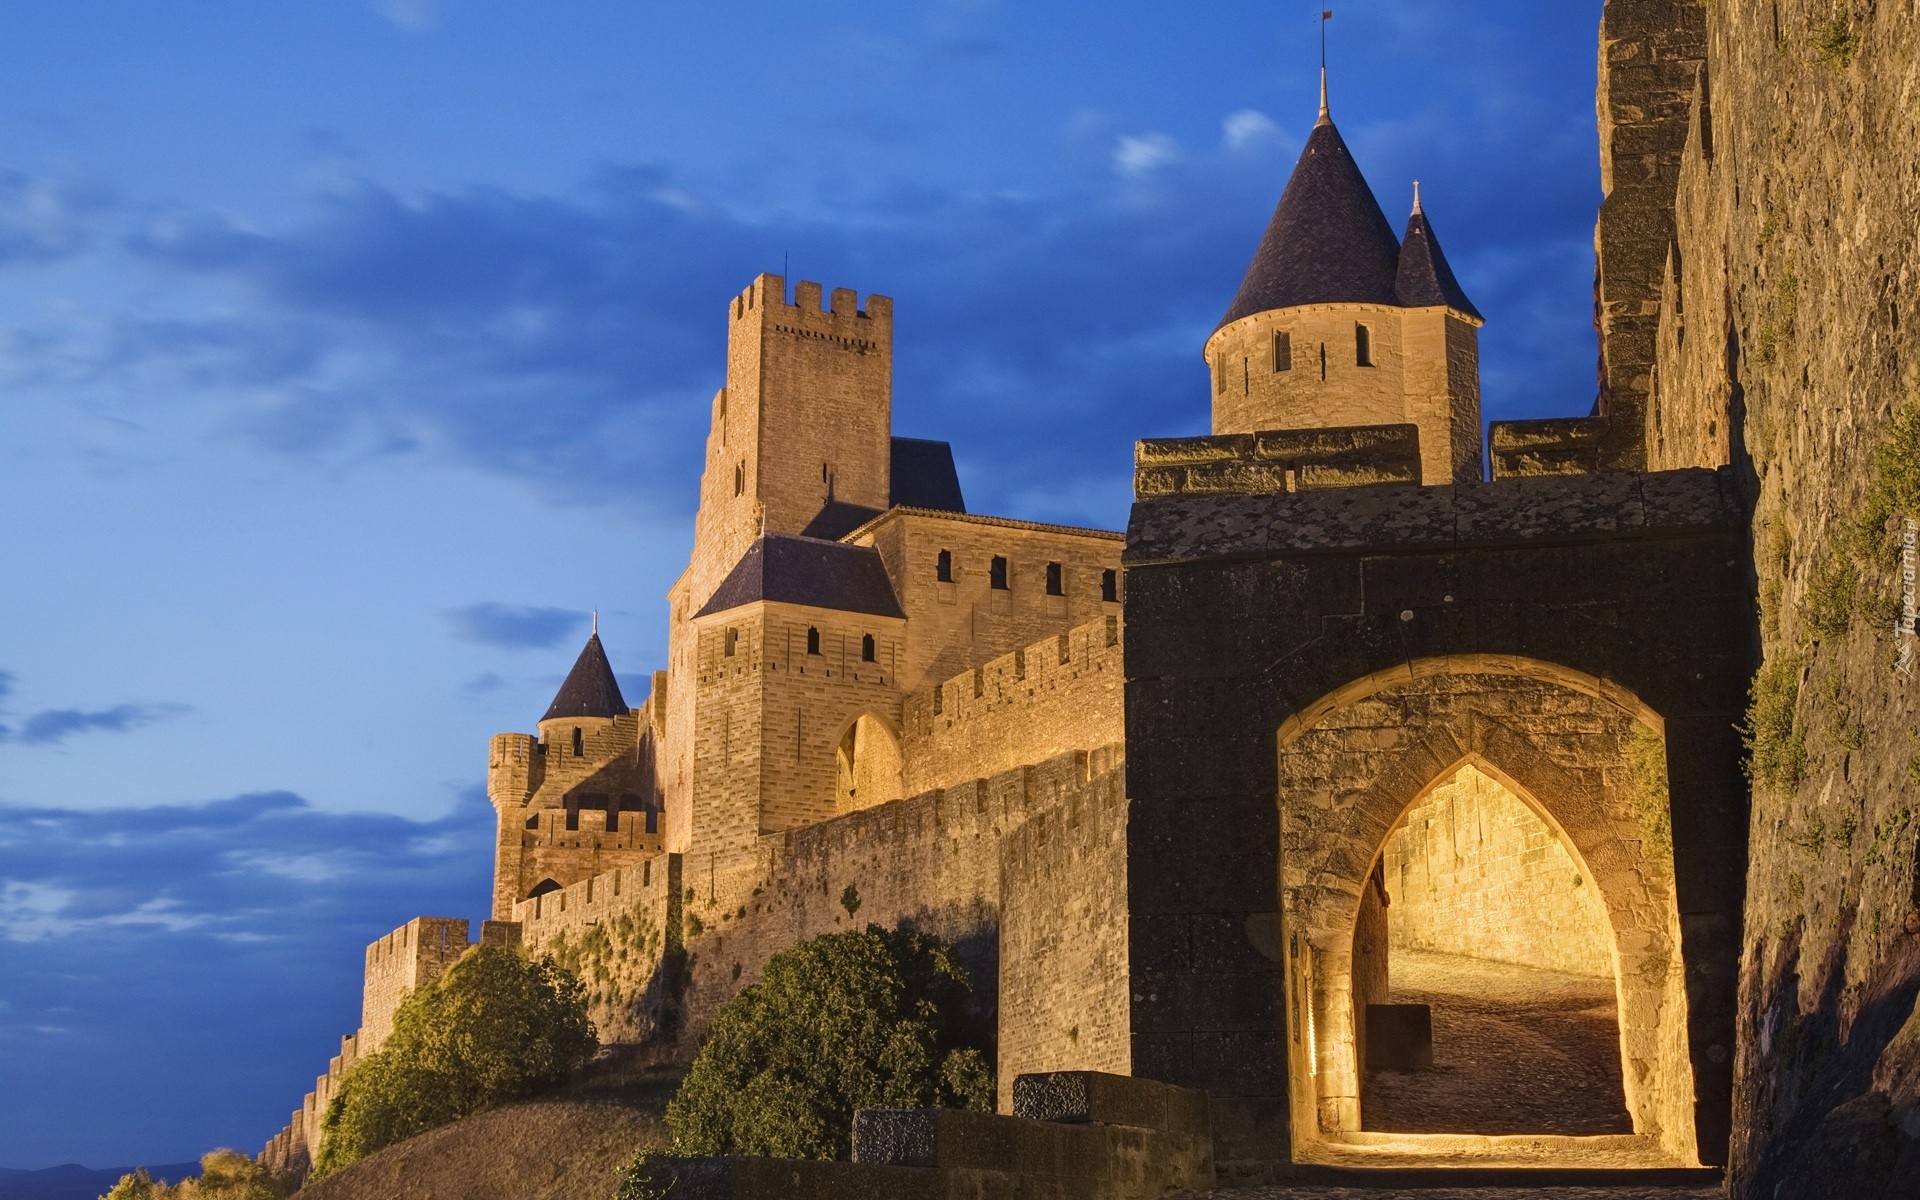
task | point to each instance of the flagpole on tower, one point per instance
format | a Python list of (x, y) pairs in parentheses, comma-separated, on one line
[(1326, 14)]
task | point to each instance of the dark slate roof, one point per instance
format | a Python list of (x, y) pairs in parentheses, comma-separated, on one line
[(923, 476), (1425, 279), (1328, 242), (836, 519), (590, 689), (802, 570)]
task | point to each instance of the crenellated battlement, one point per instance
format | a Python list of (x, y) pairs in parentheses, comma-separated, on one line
[(1062, 692), (841, 315)]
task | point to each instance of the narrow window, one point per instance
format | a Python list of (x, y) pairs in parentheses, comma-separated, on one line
[(577, 745), (733, 636), (813, 640), (739, 479), (1283, 351), (573, 819), (1109, 585), (1362, 346), (1219, 372), (867, 649), (943, 567), (1323, 362), (613, 816), (997, 574), (1246, 376), (1054, 586)]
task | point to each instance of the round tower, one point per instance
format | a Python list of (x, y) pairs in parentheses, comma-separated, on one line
[(1340, 323)]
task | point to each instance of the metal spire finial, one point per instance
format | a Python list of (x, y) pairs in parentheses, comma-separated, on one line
[(1326, 117), (596, 622), (1416, 197)]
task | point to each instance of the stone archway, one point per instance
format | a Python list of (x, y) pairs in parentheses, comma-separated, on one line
[(866, 764), (1351, 766)]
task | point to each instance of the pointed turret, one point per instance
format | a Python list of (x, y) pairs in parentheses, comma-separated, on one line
[(1338, 325), (1424, 278), (590, 689), (1328, 241)]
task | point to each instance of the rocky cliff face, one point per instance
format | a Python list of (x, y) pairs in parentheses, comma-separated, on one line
[(1779, 347)]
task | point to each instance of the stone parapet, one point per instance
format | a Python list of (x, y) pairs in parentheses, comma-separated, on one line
[(1554, 446), (1284, 460), (1574, 509)]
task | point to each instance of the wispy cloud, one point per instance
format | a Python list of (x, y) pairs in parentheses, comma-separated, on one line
[(235, 927), (44, 219), (410, 14), (54, 725), (514, 627)]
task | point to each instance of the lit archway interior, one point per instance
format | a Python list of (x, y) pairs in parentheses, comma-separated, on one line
[(1482, 919), (1568, 778), (867, 765)]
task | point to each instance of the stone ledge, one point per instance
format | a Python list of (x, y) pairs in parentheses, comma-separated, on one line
[(1082, 1097), (1616, 506), (1555, 446), (1281, 460)]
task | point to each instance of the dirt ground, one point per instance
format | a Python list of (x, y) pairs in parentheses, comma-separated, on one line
[(1515, 1050)]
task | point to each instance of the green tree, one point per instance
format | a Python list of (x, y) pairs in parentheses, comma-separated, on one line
[(224, 1175), (497, 1026), (874, 1019)]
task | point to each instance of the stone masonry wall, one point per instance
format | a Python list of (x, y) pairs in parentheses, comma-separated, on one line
[(1060, 693), (931, 861), (959, 625), (1063, 938), (1650, 52), (1785, 347), (1471, 870), (615, 931), (413, 954)]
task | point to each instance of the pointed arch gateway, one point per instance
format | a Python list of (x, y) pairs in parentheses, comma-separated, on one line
[(1574, 751), (866, 764)]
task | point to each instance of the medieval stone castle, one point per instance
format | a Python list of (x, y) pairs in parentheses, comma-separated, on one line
[(1179, 793)]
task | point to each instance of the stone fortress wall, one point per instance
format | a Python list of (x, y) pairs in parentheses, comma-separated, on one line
[(1001, 827)]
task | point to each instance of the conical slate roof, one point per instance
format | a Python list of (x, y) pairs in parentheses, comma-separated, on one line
[(1328, 242), (590, 689), (1425, 279)]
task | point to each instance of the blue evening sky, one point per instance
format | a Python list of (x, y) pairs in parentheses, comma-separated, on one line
[(351, 351)]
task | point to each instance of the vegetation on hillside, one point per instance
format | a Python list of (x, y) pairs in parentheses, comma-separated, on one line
[(872, 1019), (497, 1026), (224, 1175)]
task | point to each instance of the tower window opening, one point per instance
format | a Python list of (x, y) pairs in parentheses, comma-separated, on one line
[(997, 574), (578, 743), (1246, 376), (573, 819), (1109, 585), (868, 651), (739, 479), (733, 637), (813, 639), (1282, 352), (1362, 346), (1323, 362), (1055, 587), (943, 567), (1220, 373)]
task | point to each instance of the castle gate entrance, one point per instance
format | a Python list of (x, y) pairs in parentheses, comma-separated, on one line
[(1519, 827), (1304, 668)]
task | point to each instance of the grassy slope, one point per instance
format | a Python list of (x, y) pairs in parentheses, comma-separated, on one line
[(567, 1147)]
